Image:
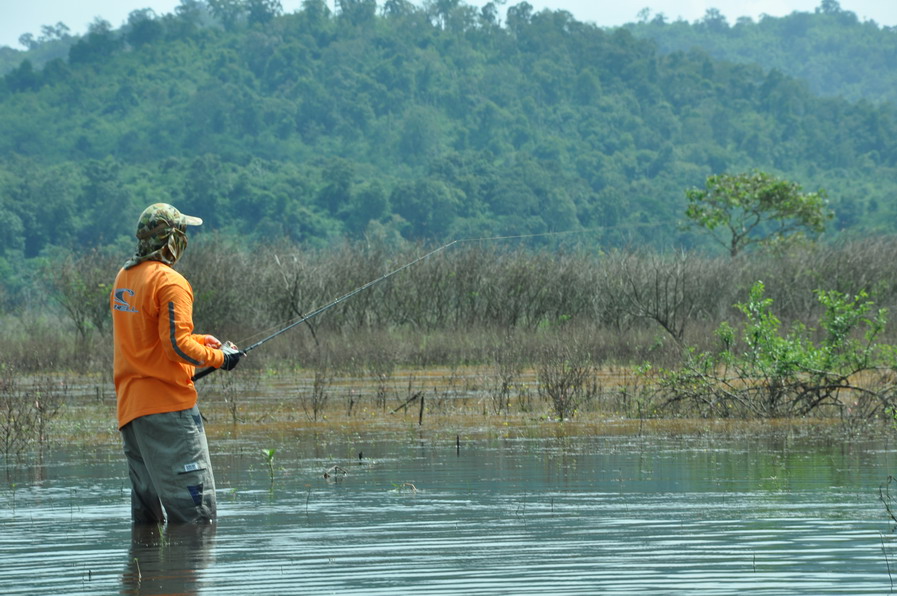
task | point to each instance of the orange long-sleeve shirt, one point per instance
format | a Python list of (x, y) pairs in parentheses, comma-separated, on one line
[(156, 351)]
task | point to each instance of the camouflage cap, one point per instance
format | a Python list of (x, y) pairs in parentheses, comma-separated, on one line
[(159, 219), (161, 234)]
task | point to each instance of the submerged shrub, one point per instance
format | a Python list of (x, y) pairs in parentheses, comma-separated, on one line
[(27, 406), (566, 378), (764, 371)]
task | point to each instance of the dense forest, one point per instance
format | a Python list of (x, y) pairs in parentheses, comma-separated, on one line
[(831, 50), (407, 123)]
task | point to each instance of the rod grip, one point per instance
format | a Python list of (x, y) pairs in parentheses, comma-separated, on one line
[(204, 372)]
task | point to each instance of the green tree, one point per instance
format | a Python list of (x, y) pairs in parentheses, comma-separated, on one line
[(428, 205), (228, 12), (263, 11), (102, 198), (357, 12), (829, 7), (81, 286), (369, 204), (740, 210), (43, 202), (99, 43), (205, 189), (519, 16), (188, 17), (23, 78), (337, 192), (143, 27)]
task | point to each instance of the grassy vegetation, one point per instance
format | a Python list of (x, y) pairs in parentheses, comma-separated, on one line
[(488, 334)]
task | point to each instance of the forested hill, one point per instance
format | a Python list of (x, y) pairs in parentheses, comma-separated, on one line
[(391, 120), (836, 53)]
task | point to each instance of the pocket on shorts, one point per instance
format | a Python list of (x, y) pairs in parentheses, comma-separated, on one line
[(191, 420), (188, 467)]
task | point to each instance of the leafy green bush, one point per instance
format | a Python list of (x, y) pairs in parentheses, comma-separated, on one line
[(765, 371)]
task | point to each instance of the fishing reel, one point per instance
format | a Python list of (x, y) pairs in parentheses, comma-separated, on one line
[(230, 347), (232, 355)]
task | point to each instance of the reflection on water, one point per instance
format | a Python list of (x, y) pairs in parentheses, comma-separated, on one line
[(559, 515), (168, 560)]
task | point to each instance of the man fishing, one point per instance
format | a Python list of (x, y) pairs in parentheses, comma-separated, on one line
[(156, 352)]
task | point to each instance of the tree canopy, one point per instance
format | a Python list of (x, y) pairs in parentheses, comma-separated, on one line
[(830, 49), (424, 123), (740, 210)]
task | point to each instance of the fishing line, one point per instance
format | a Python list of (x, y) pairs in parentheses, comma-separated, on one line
[(523, 236), (344, 297), (328, 306), (300, 318)]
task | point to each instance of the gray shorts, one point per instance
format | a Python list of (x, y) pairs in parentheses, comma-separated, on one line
[(169, 467)]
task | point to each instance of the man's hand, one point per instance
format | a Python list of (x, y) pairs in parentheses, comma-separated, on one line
[(231, 356)]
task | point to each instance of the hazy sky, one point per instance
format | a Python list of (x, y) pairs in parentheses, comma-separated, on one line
[(27, 16)]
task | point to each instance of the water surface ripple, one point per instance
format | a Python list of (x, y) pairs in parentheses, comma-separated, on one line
[(571, 515)]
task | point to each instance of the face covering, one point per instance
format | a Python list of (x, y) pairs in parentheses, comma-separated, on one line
[(166, 246), (177, 244)]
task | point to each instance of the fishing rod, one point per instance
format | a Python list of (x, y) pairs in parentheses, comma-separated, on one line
[(326, 307), (207, 371)]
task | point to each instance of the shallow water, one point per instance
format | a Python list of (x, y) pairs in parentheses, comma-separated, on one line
[(418, 514)]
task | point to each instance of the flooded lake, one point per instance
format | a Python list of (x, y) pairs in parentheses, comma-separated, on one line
[(421, 512)]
